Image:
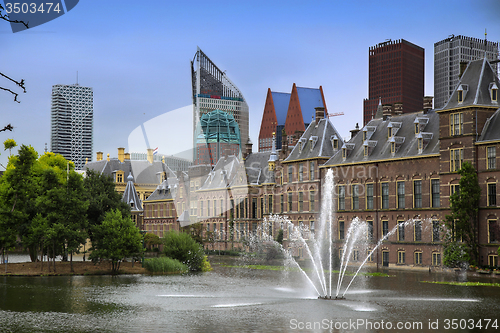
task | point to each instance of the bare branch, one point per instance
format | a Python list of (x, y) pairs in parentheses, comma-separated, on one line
[(5, 17), (9, 127)]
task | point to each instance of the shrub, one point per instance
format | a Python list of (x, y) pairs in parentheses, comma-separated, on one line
[(164, 265), (181, 246)]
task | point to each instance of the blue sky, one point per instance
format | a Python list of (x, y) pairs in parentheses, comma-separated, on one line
[(136, 56)]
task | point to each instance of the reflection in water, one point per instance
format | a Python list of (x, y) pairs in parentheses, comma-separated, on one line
[(226, 300)]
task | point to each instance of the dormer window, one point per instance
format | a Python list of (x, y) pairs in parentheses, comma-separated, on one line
[(494, 92), (365, 135), (393, 147), (420, 144), (462, 92), (347, 149), (368, 147), (396, 143), (389, 131), (392, 129), (416, 128), (335, 142), (365, 150), (344, 153)]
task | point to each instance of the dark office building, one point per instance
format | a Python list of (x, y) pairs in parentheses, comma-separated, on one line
[(396, 75)]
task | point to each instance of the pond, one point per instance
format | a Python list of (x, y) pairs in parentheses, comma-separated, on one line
[(231, 299)]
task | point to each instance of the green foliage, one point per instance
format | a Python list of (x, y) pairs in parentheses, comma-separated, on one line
[(463, 220), (151, 240), (279, 238), (181, 246), (205, 265), (102, 197), (9, 144), (164, 265), (116, 238), (456, 254)]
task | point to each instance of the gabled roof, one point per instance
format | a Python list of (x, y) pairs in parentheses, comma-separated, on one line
[(476, 79), (280, 101), (162, 192), (491, 129), (309, 99), (406, 139), (317, 141), (130, 196)]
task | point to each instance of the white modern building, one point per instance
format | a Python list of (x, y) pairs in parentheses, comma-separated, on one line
[(449, 53), (72, 118)]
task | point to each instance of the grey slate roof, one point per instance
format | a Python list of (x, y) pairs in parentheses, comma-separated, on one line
[(230, 172), (142, 171), (491, 129), (130, 196), (316, 141), (477, 76), (162, 192), (380, 146)]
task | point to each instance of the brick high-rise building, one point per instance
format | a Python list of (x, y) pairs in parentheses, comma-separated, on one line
[(396, 75)]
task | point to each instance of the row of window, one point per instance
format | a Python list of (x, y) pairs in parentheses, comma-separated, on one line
[(415, 226), (300, 172), (400, 195)]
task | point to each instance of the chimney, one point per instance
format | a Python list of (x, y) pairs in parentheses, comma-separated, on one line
[(99, 156), (463, 66), (127, 156), (427, 104), (355, 131), (320, 113), (150, 155), (398, 108), (121, 154), (387, 111)]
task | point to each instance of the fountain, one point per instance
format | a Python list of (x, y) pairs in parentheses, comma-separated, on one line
[(321, 243)]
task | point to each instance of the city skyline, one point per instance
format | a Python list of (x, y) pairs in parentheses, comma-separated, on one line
[(135, 60)]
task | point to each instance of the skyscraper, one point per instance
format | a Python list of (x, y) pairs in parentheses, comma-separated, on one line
[(212, 90), (396, 75), (72, 118), (448, 54)]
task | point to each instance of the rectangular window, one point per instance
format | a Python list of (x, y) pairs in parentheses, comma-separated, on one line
[(369, 196), (435, 193), (301, 172), (232, 209), (311, 227), (417, 194), (355, 255), (385, 228), (341, 230), (401, 194), (456, 159), (301, 201), (385, 195), (221, 207), (385, 258), (418, 258), (341, 197), (454, 188), (254, 208), (208, 208), (492, 231), (311, 200), (401, 257), (401, 231), (418, 231), (270, 207), (290, 201), (435, 231), (492, 157), (355, 197), (493, 260), (456, 124), (492, 194), (436, 259), (290, 173), (282, 203), (215, 207), (369, 255), (311, 170), (370, 230)]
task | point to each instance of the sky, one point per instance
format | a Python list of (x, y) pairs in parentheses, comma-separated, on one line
[(136, 57)]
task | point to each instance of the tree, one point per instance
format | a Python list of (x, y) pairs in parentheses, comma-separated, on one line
[(151, 240), (181, 246), (463, 220), (9, 144), (116, 238), (102, 197)]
